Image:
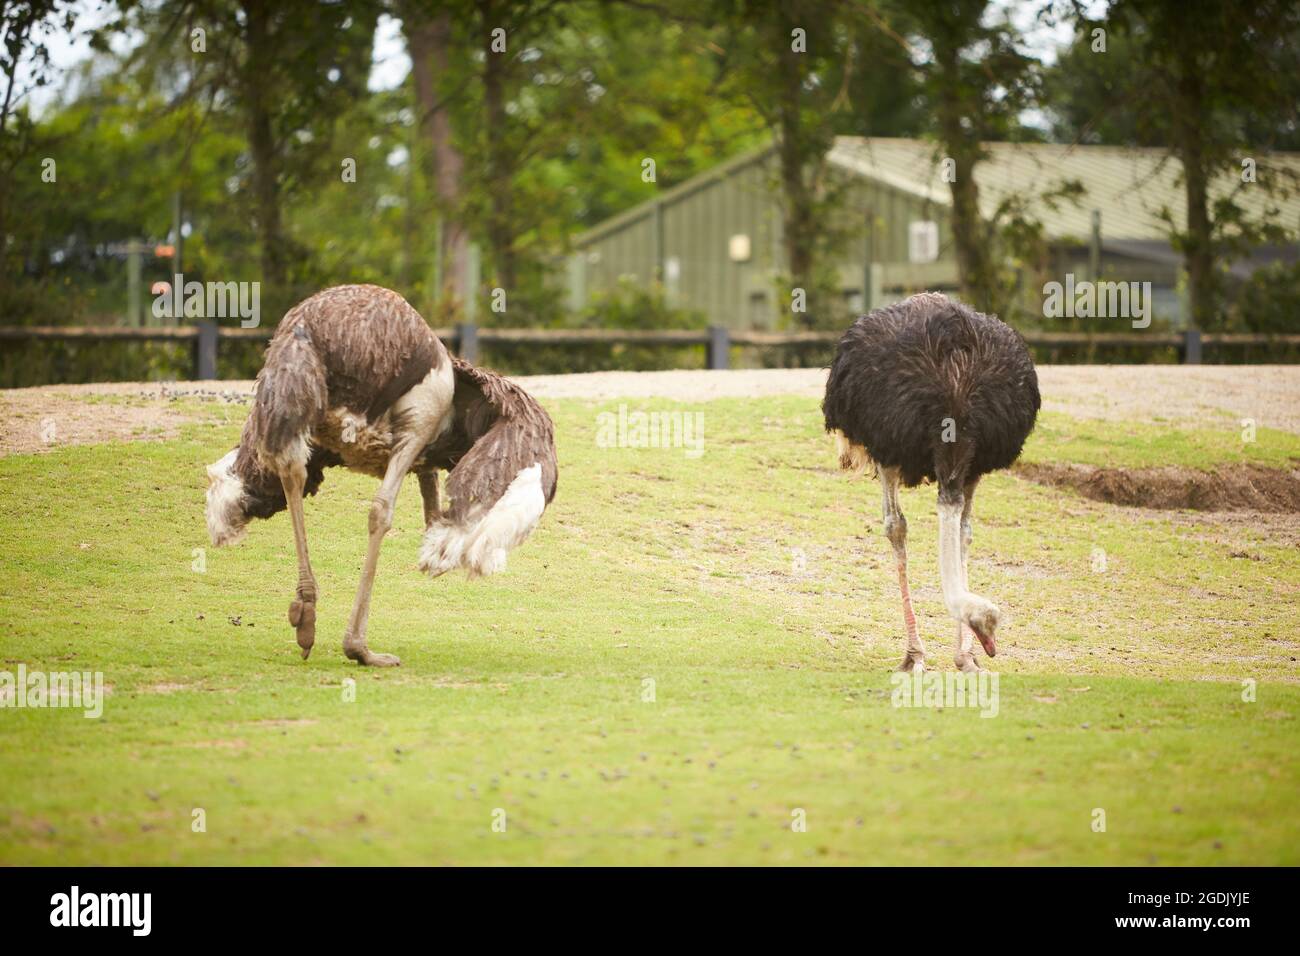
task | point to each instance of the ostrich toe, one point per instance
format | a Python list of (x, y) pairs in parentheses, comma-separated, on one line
[(913, 660), (302, 615)]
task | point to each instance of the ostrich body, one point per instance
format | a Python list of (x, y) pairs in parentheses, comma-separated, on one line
[(931, 390), (355, 377)]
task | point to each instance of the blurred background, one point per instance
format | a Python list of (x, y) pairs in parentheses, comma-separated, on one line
[(762, 170)]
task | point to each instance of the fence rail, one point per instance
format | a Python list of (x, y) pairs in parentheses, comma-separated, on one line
[(466, 339)]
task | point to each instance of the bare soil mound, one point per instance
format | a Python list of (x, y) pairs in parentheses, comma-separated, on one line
[(1227, 488)]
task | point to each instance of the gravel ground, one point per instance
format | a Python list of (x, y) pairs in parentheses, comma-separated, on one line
[(1270, 394), (37, 419)]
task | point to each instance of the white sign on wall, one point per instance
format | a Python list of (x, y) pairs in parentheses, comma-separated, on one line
[(922, 241), (739, 248)]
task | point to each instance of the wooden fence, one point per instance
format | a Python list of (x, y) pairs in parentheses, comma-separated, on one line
[(717, 341)]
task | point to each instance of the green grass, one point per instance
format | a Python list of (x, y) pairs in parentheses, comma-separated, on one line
[(751, 585), (1144, 445)]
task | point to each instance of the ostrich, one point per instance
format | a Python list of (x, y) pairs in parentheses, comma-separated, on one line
[(355, 377), (929, 389)]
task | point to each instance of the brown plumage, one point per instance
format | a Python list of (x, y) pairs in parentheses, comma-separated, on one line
[(497, 430), (355, 377)]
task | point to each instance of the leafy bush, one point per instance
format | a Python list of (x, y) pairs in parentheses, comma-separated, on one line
[(1269, 301), (626, 306)]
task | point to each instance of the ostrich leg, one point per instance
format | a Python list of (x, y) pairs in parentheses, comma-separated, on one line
[(381, 519), (896, 531), (302, 611), (429, 492), (980, 614), (965, 636)]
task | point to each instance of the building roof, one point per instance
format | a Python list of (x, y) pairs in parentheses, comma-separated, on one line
[(673, 194), (1130, 187)]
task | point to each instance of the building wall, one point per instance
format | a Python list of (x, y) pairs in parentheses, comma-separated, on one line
[(685, 244)]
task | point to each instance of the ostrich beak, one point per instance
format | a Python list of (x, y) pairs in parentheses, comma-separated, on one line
[(983, 619)]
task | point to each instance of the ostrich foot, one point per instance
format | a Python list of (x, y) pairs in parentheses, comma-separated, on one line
[(964, 655), (371, 659), (368, 658), (302, 615), (913, 660)]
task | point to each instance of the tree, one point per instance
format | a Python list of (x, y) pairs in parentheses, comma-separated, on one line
[(977, 81), (1213, 78), (791, 61), (287, 69), (23, 26), (429, 36)]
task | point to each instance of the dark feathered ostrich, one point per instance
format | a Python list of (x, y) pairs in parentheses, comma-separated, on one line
[(929, 389), (355, 377)]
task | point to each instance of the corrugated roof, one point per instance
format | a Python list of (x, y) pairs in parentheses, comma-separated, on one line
[(1129, 186)]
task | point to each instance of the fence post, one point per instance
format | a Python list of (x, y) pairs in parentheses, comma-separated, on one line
[(205, 351), (719, 348), (467, 342), (1192, 347)]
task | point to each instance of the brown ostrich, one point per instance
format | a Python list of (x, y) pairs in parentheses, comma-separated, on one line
[(355, 377), (931, 390)]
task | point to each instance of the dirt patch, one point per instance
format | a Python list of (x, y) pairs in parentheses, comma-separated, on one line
[(41, 419), (1189, 396), (50, 417), (1227, 488), (1239, 533)]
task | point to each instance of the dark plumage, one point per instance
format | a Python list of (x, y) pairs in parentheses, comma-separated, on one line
[(929, 389), (903, 372)]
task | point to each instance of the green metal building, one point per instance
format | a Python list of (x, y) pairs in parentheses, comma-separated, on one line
[(715, 241)]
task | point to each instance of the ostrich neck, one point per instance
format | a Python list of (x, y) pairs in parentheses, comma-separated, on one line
[(951, 570)]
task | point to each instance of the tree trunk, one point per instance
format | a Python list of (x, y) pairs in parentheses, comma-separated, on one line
[(1198, 240), (429, 42), (798, 216), (262, 146), (500, 168), (975, 264), (17, 40)]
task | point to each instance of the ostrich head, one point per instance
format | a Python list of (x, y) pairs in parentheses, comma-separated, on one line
[(982, 617), (227, 512)]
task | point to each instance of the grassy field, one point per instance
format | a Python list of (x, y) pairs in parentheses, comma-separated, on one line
[(689, 656)]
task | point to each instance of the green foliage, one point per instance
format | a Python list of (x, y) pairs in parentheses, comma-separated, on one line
[(1095, 96), (1216, 80), (626, 306), (632, 306), (1269, 301), (554, 131), (42, 362), (977, 80)]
